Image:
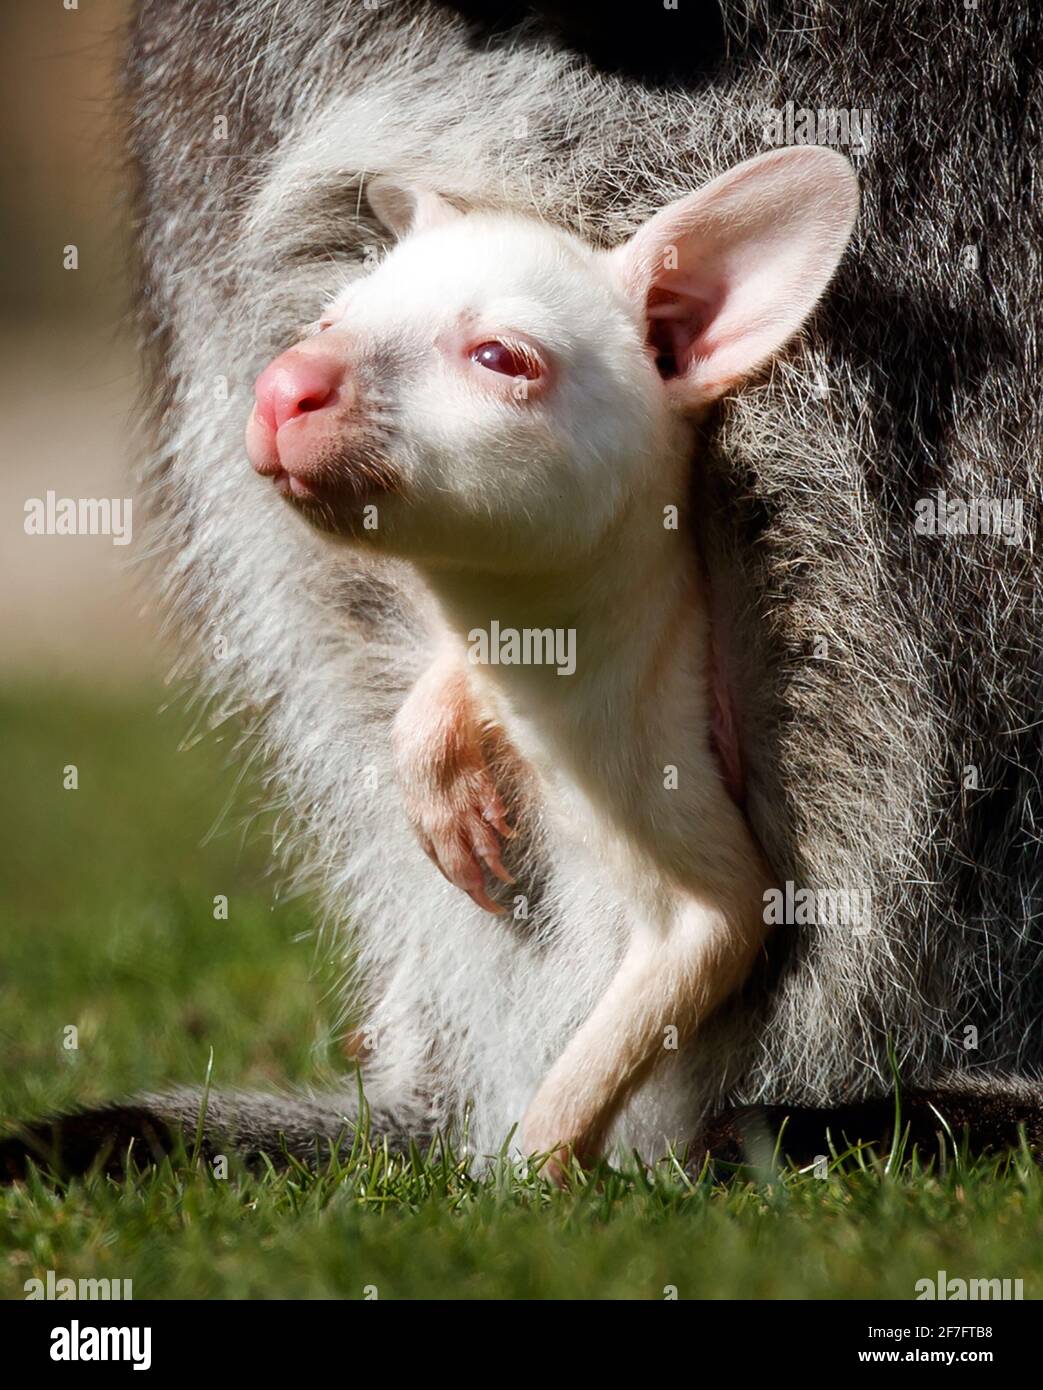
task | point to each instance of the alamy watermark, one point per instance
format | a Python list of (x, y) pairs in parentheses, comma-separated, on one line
[(942, 1287), (51, 1287), (80, 516), (942, 515), (811, 907), (80, 1342), (527, 646), (839, 127)]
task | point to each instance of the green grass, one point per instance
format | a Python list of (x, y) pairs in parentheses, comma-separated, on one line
[(108, 927)]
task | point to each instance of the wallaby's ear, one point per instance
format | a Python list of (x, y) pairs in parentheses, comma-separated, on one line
[(727, 275), (403, 208)]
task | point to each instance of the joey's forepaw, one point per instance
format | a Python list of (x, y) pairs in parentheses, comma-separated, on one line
[(450, 796), (461, 826)]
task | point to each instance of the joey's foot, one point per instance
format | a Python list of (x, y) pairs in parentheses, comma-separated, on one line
[(543, 1131)]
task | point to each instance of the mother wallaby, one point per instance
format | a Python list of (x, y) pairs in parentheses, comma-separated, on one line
[(880, 638)]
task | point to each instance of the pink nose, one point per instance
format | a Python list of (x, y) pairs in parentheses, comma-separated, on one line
[(296, 383)]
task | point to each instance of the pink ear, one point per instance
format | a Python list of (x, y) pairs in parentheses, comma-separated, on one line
[(405, 209), (727, 275)]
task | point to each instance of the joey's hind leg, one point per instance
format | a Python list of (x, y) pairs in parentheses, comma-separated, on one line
[(450, 795), (669, 978)]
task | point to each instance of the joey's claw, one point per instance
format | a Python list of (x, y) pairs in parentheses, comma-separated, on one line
[(487, 848), (494, 814), (460, 850), (482, 899), (495, 866)]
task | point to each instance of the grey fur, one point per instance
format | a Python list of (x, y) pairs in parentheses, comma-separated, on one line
[(855, 750), (255, 1127)]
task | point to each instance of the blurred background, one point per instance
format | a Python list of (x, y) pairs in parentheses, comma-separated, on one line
[(68, 608), (136, 897)]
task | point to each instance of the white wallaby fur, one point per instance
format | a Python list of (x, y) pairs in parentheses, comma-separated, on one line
[(552, 494)]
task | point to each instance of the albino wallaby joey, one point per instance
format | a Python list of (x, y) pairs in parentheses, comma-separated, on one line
[(515, 413)]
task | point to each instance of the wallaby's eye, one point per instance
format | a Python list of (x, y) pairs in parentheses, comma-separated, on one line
[(510, 359)]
